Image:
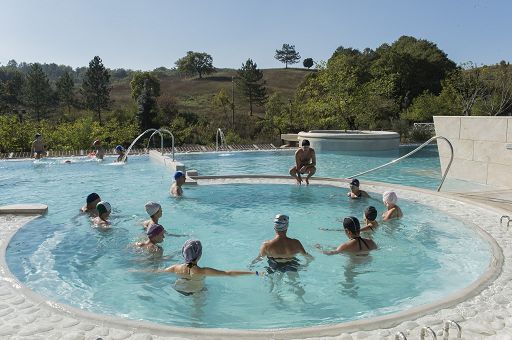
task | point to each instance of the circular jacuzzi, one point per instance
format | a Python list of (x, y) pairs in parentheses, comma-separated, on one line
[(351, 140)]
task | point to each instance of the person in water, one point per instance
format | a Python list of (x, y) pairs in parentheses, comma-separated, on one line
[(90, 204), (120, 154), (99, 151), (104, 210), (354, 190), (355, 244), (281, 250), (176, 187), (156, 235), (38, 147), (305, 163), (370, 216), (190, 275), (154, 211), (389, 198)]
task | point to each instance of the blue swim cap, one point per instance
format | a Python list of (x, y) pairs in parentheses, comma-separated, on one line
[(178, 174), (119, 148)]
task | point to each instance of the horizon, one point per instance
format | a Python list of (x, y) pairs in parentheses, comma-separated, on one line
[(137, 36)]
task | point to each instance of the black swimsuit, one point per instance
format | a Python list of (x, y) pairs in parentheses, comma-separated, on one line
[(359, 240), (289, 266)]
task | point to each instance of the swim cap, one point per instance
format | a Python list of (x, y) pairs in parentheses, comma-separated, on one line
[(154, 230), (103, 207), (119, 148), (152, 208), (92, 197), (38, 135), (305, 142), (355, 182), (351, 223), (370, 213), (191, 250), (96, 142), (178, 174), (281, 222), (389, 197)]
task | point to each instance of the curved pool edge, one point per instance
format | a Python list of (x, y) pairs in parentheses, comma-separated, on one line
[(98, 323)]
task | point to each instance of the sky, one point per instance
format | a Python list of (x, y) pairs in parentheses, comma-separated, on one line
[(143, 35)]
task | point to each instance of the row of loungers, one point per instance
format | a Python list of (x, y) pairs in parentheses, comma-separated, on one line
[(177, 149)]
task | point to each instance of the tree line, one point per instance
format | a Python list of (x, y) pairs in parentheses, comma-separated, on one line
[(388, 88)]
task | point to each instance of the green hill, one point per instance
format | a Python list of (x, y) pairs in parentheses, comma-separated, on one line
[(195, 95)]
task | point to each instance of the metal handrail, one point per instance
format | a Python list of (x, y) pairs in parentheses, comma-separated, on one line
[(424, 331), (161, 141), (138, 137), (411, 153), (446, 329), (172, 141), (400, 335)]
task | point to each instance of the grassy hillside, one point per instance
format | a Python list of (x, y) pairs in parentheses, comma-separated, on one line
[(195, 95)]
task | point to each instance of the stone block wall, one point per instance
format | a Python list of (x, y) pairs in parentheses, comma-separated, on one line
[(480, 148)]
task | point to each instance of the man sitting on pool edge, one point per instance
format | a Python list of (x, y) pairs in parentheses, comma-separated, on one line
[(305, 163), (281, 250)]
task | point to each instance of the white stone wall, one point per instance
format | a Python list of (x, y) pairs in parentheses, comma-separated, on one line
[(479, 143)]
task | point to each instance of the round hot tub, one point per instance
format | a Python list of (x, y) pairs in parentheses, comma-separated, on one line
[(351, 140)]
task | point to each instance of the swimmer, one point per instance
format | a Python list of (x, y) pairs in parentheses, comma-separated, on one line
[(99, 150), (190, 275), (154, 211), (354, 190), (370, 216), (281, 250), (38, 147), (179, 179), (305, 163), (90, 204), (120, 154), (355, 244), (104, 210), (156, 235), (389, 198)]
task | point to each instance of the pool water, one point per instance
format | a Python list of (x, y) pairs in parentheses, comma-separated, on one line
[(63, 257), (420, 170)]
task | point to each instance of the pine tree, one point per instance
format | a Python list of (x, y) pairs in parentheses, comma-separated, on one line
[(287, 55), (65, 90), (251, 84), (96, 87), (147, 108), (38, 93)]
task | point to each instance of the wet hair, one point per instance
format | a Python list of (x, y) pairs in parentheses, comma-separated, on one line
[(305, 142), (92, 197), (370, 213), (351, 223)]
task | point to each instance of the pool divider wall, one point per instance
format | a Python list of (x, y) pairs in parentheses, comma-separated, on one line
[(173, 165), (372, 324)]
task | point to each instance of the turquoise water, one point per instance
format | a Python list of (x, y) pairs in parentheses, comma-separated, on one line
[(420, 170), (63, 257)]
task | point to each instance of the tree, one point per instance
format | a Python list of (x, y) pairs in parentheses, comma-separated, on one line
[(287, 55), (96, 87), (196, 62), (148, 79), (308, 62), (497, 100), (250, 81), (222, 101), (38, 93), (147, 108), (11, 89), (66, 90), (468, 86)]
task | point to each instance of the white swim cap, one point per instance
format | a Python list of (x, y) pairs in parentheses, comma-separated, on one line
[(103, 207), (281, 222), (152, 208), (389, 197)]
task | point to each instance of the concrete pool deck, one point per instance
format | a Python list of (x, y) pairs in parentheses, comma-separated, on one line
[(484, 309)]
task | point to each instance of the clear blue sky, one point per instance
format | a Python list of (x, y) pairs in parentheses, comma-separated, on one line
[(152, 33)]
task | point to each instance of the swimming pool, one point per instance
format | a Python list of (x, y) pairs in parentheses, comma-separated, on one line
[(60, 256)]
